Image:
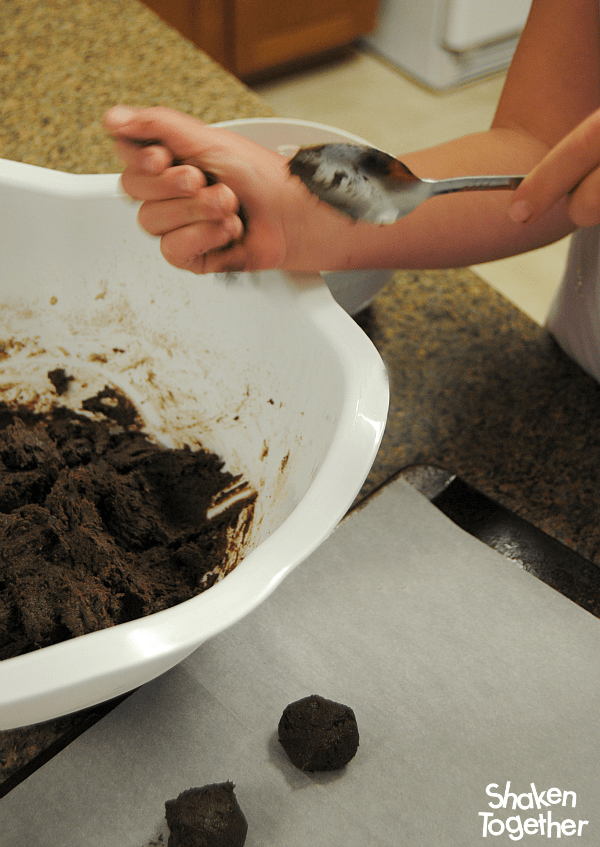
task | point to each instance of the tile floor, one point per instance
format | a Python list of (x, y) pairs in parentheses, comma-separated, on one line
[(364, 95)]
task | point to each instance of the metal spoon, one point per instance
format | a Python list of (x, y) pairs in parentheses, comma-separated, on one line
[(368, 185)]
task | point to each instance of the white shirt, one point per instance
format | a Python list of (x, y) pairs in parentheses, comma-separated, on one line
[(574, 316)]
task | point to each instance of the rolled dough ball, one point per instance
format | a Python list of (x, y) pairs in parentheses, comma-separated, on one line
[(318, 734), (206, 817)]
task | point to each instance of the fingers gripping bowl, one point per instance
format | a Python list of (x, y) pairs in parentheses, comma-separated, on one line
[(266, 370)]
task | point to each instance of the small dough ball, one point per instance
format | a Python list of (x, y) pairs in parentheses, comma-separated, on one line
[(206, 817), (318, 734)]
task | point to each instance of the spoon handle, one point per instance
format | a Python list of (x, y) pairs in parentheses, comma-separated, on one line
[(474, 183)]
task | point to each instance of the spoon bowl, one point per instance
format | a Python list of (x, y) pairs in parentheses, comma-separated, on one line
[(368, 185)]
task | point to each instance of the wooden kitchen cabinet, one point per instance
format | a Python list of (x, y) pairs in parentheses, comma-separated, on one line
[(252, 36)]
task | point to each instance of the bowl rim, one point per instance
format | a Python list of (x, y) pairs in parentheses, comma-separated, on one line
[(292, 122)]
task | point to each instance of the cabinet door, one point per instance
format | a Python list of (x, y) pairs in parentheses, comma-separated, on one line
[(177, 13), (270, 32), (208, 23)]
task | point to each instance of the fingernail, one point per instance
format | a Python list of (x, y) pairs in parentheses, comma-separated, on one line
[(186, 184), (153, 161), (519, 212), (234, 227), (120, 115)]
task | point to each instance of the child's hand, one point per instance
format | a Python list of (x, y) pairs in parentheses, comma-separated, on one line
[(570, 170), (217, 201)]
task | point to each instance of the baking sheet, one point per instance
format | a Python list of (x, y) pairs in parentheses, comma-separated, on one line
[(463, 670)]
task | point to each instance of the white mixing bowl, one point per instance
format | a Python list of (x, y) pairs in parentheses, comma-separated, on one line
[(264, 369)]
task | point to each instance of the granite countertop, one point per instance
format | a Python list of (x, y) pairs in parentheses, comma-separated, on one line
[(476, 386), (481, 390), (63, 63)]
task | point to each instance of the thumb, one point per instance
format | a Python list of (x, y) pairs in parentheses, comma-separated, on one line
[(179, 133)]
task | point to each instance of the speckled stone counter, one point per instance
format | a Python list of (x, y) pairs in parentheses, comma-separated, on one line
[(481, 390), (63, 63), (477, 387)]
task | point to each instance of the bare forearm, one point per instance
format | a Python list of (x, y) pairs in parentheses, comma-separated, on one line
[(452, 230), (553, 85)]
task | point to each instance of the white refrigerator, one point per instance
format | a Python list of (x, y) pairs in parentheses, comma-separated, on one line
[(445, 43)]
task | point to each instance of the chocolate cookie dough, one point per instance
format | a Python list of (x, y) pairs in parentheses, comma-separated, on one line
[(206, 817), (318, 734), (99, 525)]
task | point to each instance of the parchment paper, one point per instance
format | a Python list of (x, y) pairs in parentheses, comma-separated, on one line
[(463, 671)]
